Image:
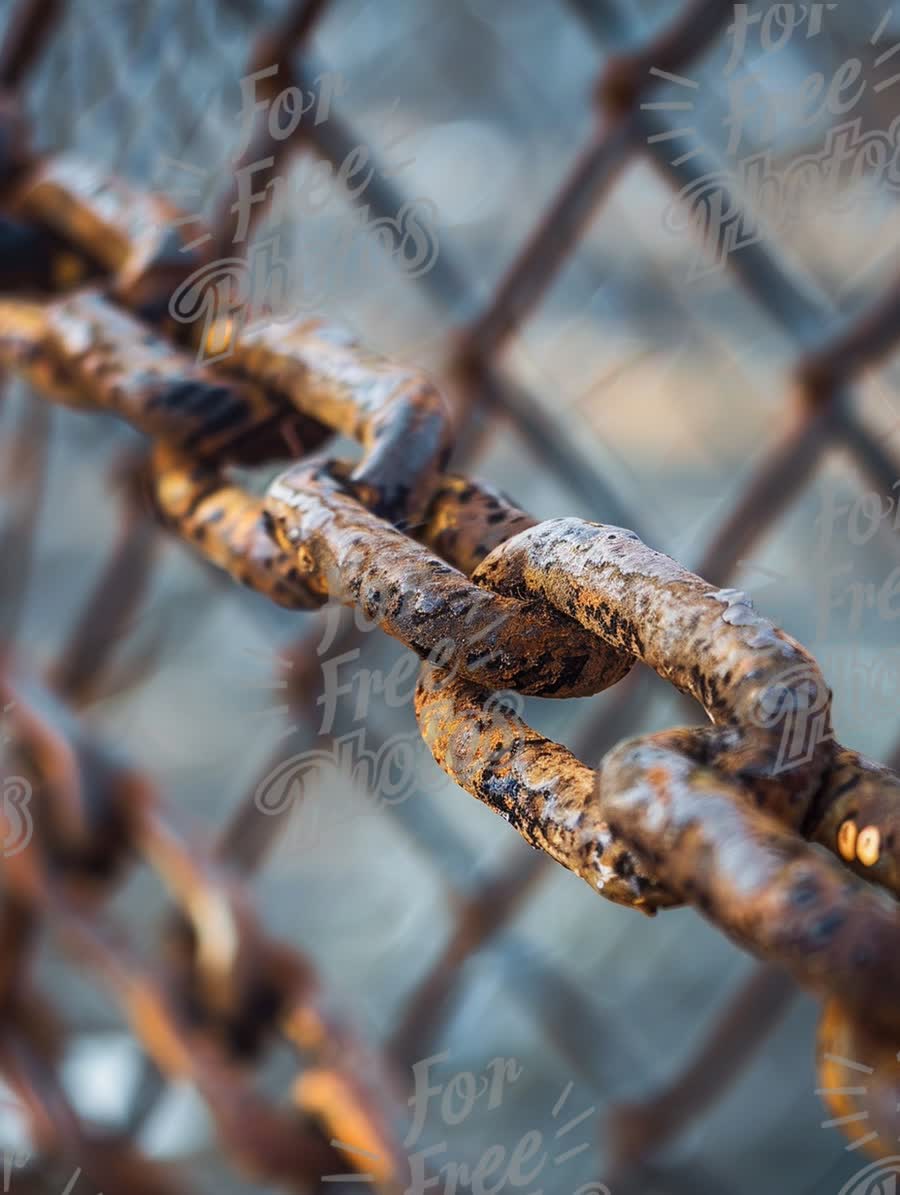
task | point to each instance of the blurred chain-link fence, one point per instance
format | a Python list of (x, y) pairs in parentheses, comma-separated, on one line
[(660, 286)]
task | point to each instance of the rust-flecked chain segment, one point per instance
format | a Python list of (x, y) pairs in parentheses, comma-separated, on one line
[(230, 527), (352, 555), (92, 354), (729, 817), (396, 413), (754, 681), (132, 234), (467, 520), (537, 785), (704, 836), (857, 813), (764, 692)]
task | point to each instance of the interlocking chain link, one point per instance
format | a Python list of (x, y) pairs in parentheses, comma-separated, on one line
[(729, 818)]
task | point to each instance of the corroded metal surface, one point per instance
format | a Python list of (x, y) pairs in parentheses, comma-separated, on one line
[(713, 817), (132, 234), (752, 679), (751, 875), (466, 520), (724, 817), (230, 527), (538, 786), (351, 554), (94, 354), (397, 414)]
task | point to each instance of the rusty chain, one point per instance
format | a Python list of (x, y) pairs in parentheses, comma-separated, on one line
[(709, 817), (491, 601), (226, 992)]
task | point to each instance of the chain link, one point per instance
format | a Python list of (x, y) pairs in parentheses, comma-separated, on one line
[(729, 818)]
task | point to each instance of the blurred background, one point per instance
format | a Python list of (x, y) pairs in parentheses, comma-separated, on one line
[(642, 383)]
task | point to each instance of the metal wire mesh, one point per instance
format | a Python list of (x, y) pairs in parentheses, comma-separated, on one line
[(594, 357)]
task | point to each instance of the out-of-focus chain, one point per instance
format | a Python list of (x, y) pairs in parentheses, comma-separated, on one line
[(728, 818)]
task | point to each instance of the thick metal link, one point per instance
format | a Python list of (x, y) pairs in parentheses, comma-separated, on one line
[(397, 414), (754, 681), (131, 234), (91, 354), (350, 554), (720, 817), (538, 786)]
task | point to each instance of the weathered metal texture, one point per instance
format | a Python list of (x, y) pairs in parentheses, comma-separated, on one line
[(709, 816), (467, 519), (396, 413), (709, 810), (352, 555), (538, 786), (753, 876), (135, 236), (857, 814), (230, 527), (753, 680), (90, 353), (312, 537)]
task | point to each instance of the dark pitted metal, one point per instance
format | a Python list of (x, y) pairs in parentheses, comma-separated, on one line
[(722, 817), (350, 554), (713, 817)]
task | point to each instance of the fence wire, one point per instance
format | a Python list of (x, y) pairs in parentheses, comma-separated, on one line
[(138, 91)]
